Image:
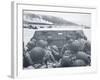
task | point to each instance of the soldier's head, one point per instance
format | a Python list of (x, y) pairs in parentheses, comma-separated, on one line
[(42, 43), (31, 44)]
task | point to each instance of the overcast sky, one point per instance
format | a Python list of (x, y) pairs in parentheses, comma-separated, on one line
[(81, 19)]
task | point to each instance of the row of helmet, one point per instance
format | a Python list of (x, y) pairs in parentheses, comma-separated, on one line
[(73, 53)]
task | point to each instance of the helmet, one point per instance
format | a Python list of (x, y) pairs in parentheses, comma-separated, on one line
[(83, 56), (77, 45), (66, 61), (31, 44), (42, 43), (37, 54), (79, 62)]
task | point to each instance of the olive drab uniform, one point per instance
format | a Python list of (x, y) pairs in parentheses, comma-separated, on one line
[(73, 54), (48, 58)]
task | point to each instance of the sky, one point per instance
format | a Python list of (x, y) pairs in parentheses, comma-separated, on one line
[(81, 19)]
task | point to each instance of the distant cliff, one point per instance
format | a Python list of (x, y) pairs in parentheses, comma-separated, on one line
[(47, 19)]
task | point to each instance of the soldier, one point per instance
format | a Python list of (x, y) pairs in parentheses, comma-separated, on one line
[(67, 58), (55, 52), (83, 56), (67, 45), (25, 58), (36, 57), (48, 57), (87, 47), (31, 44)]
